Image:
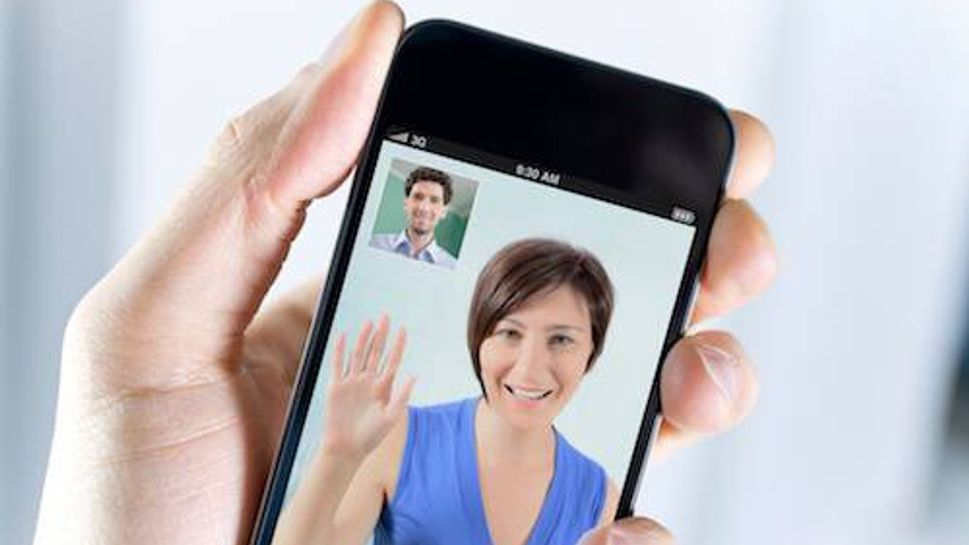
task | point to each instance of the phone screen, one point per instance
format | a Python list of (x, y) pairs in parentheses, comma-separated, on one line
[(536, 305)]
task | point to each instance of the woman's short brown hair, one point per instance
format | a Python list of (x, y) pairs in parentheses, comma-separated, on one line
[(530, 268)]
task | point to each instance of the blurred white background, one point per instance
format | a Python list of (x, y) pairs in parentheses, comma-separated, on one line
[(108, 106)]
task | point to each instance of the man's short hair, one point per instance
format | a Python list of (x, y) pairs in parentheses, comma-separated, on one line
[(428, 174)]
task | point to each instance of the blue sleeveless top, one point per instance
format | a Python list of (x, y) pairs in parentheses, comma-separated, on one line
[(438, 496)]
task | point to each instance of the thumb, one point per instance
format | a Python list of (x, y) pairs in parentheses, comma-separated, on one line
[(630, 531), (190, 287)]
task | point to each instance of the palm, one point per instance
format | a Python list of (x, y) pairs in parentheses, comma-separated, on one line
[(228, 463), (200, 465), (359, 409), (186, 464), (355, 415)]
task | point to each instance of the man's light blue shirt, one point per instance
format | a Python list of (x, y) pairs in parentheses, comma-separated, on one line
[(400, 244)]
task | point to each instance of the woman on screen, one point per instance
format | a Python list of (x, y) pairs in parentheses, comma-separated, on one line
[(490, 469)]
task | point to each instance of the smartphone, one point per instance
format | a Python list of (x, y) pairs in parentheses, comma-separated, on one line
[(520, 250)]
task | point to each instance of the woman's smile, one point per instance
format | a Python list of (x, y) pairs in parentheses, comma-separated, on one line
[(527, 394)]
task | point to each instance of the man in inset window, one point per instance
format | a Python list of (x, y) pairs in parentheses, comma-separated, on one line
[(427, 193)]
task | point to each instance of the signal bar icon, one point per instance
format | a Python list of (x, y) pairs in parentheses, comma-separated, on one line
[(401, 137)]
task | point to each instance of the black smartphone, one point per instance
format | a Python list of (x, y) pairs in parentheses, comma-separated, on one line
[(535, 223)]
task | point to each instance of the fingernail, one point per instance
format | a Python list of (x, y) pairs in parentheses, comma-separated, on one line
[(723, 369)]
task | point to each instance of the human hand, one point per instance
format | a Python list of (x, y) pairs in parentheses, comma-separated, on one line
[(173, 393), (708, 383), (360, 409)]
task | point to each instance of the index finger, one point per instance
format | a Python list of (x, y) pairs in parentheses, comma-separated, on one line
[(754, 155)]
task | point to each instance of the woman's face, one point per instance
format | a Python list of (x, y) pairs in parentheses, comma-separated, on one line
[(536, 357)]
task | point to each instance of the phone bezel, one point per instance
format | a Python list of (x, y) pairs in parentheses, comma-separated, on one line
[(514, 99)]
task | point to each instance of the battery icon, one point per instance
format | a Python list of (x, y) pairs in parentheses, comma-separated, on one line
[(683, 215)]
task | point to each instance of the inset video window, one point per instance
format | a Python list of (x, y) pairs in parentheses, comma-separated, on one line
[(423, 213)]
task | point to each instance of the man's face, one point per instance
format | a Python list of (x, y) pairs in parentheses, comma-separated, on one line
[(424, 207)]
